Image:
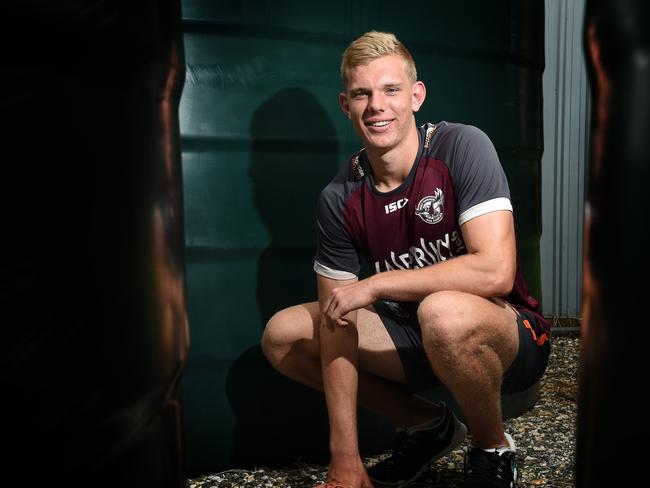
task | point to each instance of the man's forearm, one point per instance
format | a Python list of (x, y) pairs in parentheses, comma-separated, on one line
[(467, 273), (339, 347)]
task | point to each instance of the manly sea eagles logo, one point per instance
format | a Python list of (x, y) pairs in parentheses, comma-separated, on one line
[(429, 208)]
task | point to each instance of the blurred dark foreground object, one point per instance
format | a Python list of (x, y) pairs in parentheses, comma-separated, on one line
[(92, 288), (612, 420)]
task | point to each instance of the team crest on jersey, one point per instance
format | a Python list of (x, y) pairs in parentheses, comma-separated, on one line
[(430, 208)]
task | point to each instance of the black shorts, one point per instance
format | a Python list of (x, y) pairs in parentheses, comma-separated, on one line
[(404, 329)]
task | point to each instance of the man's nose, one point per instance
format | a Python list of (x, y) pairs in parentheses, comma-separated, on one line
[(377, 102)]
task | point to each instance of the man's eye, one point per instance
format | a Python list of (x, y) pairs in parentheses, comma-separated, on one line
[(392, 91), (358, 95)]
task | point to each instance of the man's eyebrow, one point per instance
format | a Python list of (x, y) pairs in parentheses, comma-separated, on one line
[(390, 84), (359, 89)]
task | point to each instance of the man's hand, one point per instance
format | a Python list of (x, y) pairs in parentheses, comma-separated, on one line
[(347, 298)]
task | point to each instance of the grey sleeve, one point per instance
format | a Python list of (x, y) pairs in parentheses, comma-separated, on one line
[(480, 182), (336, 255)]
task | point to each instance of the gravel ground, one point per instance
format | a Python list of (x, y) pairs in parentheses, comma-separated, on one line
[(545, 438)]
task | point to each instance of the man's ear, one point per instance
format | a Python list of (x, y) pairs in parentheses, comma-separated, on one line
[(343, 103), (419, 94)]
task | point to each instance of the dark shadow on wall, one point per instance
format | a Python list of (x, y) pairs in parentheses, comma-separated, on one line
[(294, 154)]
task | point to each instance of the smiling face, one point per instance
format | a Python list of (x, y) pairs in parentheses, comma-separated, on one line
[(380, 100)]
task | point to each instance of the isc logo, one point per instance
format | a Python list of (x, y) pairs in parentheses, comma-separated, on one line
[(395, 206)]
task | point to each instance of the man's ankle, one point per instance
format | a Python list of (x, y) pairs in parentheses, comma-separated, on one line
[(503, 443)]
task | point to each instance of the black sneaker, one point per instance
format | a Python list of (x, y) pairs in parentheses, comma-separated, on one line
[(415, 451), (495, 468)]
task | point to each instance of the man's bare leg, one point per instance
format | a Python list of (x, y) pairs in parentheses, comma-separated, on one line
[(293, 343), (471, 341)]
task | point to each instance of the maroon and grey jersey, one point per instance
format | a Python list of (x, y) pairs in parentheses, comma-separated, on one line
[(456, 176)]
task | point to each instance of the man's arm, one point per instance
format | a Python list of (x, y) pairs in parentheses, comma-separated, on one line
[(339, 344), (488, 269)]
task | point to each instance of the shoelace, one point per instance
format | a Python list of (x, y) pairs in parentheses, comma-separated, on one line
[(482, 468)]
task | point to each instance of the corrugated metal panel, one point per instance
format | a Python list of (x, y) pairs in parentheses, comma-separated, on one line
[(566, 110)]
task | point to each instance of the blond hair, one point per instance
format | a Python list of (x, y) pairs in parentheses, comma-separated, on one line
[(371, 46)]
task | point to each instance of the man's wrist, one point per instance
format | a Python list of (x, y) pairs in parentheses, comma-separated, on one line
[(374, 286)]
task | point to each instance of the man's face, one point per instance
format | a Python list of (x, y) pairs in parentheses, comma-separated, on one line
[(380, 101)]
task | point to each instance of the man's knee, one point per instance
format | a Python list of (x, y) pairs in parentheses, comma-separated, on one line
[(457, 325), (441, 320), (274, 344), (284, 332)]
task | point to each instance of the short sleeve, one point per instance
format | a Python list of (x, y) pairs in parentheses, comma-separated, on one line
[(480, 182), (336, 255)]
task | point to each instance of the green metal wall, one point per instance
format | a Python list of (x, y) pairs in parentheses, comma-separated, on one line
[(262, 134)]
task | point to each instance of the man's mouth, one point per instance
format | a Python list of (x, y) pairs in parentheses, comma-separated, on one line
[(381, 123)]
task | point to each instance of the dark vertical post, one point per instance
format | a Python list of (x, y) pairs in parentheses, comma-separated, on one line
[(92, 275), (612, 421)]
